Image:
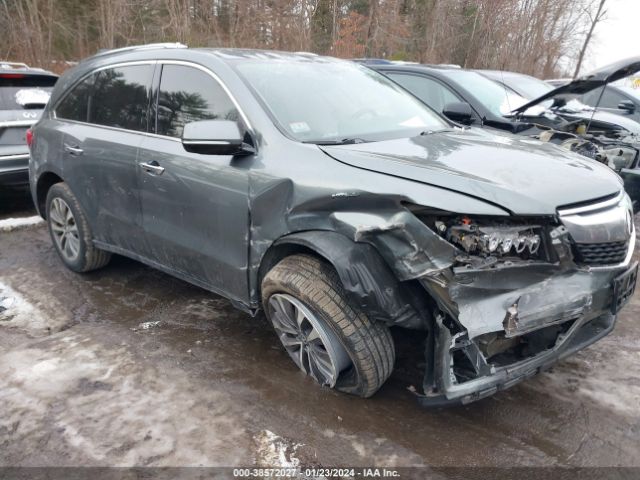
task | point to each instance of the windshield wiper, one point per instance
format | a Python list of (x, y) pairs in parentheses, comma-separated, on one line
[(431, 132), (344, 141)]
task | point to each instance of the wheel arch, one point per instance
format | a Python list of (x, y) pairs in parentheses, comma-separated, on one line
[(45, 181), (368, 281)]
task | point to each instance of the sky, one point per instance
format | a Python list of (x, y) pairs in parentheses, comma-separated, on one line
[(615, 37)]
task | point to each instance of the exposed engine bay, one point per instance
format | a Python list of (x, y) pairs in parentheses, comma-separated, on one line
[(615, 148)]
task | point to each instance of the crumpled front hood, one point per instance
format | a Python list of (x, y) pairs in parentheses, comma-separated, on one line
[(523, 176), (589, 81)]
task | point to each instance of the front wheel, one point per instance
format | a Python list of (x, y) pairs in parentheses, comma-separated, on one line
[(70, 231), (329, 340)]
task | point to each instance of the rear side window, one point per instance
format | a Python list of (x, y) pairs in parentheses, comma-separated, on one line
[(189, 95), (20, 91), (75, 105), (121, 97)]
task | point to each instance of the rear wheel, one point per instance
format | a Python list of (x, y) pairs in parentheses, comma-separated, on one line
[(329, 340), (70, 231)]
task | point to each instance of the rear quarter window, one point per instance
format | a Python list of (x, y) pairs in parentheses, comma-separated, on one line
[(75, 104)]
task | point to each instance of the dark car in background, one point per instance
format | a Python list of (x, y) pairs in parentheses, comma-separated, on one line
[(24, 91), (326, 195), (470, 98), (575, 109)]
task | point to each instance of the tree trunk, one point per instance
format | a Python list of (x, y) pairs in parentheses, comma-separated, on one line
[(595, 20)]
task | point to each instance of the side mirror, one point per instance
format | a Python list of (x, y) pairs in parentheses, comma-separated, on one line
[(627, 106), (215, 137), (460, 112)]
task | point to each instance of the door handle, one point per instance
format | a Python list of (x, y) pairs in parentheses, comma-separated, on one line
[(152, 167), (73, 149)]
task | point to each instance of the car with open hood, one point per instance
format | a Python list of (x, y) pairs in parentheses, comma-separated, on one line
[(469, 97), (324, 194), (572, 109), (24, 91)]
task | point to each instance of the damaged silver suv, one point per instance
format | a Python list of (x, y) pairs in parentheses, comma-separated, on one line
[(323, 193)]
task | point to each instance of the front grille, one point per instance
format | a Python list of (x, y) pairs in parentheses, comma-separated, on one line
[(602, 253)]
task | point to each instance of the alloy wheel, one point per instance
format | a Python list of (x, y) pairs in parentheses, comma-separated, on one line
[(310, 343), (64, 228)]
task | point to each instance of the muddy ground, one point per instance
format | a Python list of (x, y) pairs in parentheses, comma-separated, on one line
[(129, 366)]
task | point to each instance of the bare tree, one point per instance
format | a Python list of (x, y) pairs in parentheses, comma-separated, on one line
[(594, 21), (530, 36)]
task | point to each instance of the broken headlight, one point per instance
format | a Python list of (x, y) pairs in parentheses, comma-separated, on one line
[(491, 239)]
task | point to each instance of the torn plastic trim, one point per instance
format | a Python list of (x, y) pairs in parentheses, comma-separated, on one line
[(542, 294), (410, 248), (368, 281), (440, 386)]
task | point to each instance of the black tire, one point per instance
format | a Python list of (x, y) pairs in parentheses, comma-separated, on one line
[(88, 256), (369, 344)]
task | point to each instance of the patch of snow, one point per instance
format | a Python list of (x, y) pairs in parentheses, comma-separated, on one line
[(605, 373), (9, 224), (275, 451), (32, 96), (17, 312), (147, 325)]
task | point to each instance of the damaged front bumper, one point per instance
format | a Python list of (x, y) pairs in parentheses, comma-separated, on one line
[(547, 322), (498, 320)]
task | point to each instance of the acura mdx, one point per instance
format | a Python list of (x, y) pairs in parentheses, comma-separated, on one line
[(324, 194)]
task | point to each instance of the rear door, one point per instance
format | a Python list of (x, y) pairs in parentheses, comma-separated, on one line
[(100, 152), (195, 206)]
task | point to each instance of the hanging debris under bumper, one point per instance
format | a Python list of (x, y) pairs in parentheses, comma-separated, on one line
[(560, 317)]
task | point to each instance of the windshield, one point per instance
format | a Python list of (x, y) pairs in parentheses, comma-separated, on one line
[(496, 98), (325, 100), (528, 87)]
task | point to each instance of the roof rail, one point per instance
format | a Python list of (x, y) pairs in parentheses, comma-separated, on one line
[(148, 46), (4, 64)]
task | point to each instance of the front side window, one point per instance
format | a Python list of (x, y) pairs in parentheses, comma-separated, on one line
[(325, 100), (188, 94), (121, 97), (75, 105), (431, 92), (611, 99)]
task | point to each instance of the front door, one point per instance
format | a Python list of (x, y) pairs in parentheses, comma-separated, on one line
[(194, 206)]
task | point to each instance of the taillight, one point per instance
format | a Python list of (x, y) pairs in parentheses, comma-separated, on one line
[(29, 137)]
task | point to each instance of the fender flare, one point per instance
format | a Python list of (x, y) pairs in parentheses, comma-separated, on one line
[(368, 281)]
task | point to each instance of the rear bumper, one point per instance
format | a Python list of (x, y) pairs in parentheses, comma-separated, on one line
[(14, 169)]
